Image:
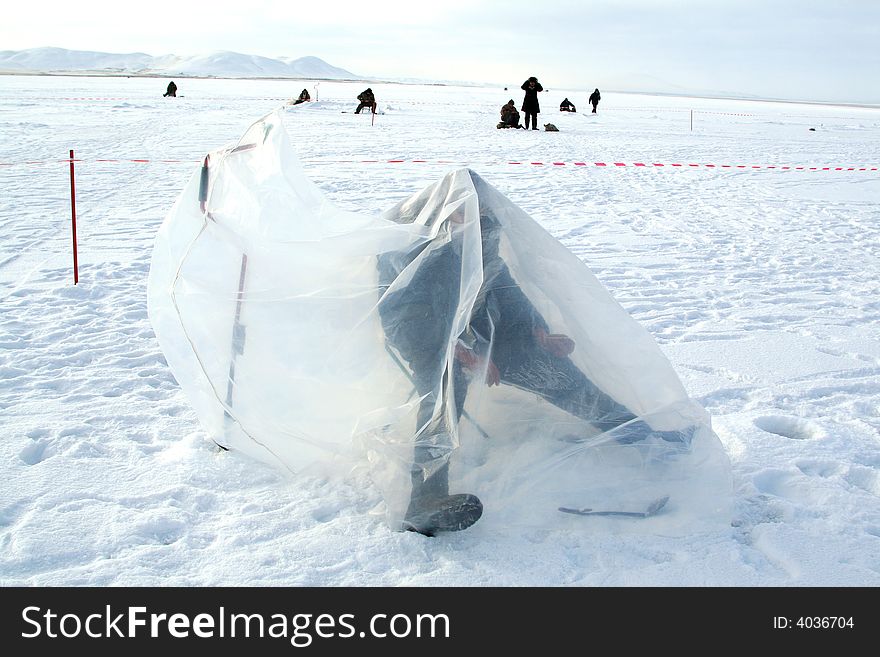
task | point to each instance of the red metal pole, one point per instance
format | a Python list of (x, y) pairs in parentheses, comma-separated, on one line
[(73, 220)]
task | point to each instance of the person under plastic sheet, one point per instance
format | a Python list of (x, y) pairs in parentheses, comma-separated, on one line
[(505, 335)]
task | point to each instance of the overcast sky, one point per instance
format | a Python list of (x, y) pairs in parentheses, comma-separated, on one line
[(796, 49)]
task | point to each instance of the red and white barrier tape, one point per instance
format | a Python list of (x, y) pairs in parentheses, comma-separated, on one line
[(636, 165)]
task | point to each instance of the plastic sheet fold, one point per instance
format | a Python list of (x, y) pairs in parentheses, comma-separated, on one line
[(451, 344)]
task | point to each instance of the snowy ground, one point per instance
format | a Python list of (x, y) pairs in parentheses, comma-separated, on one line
[(761, 285)]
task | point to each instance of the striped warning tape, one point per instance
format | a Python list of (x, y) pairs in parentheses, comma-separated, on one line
[(644, 165)]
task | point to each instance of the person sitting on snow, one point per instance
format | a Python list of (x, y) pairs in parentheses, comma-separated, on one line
[(303, 97), (171, 91), (567, 106), (367, 99), (506, 337), (509, 115)]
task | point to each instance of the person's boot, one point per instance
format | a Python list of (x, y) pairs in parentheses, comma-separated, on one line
[(451, 513), (433, 510)]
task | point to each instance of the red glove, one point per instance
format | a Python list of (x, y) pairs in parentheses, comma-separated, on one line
[(558, 344), (471, 361), (465, 356)]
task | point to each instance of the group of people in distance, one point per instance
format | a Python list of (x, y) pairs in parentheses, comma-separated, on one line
[(510, 116), (531, 108), (366, 99)]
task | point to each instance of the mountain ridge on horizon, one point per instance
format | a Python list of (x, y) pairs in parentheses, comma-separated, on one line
[(224, 63)]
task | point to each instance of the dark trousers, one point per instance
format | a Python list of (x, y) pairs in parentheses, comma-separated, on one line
[(534, 117), (522, 363), (362, 105), (433, 442), (594, 107)]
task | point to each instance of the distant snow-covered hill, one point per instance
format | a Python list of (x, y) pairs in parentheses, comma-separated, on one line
[(223, 64)]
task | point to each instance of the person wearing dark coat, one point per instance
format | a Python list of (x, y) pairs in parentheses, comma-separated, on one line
[(567, 106), (367, 100), (303, 97), (595, 97), (530, 106), (509, 115), (172, 90)]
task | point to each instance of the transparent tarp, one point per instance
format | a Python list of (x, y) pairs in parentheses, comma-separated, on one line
[(450, 344)]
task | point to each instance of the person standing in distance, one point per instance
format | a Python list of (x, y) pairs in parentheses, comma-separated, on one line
[(595, 97), (530, 106)]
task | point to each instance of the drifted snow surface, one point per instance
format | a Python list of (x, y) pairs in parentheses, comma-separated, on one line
[(760, 285)]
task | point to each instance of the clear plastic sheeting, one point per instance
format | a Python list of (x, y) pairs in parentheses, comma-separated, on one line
[(450, 344)]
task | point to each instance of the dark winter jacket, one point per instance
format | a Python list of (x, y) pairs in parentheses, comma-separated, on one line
[(530, 102), (595, 98), (509, 114), (418, 317), (367, 96)]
